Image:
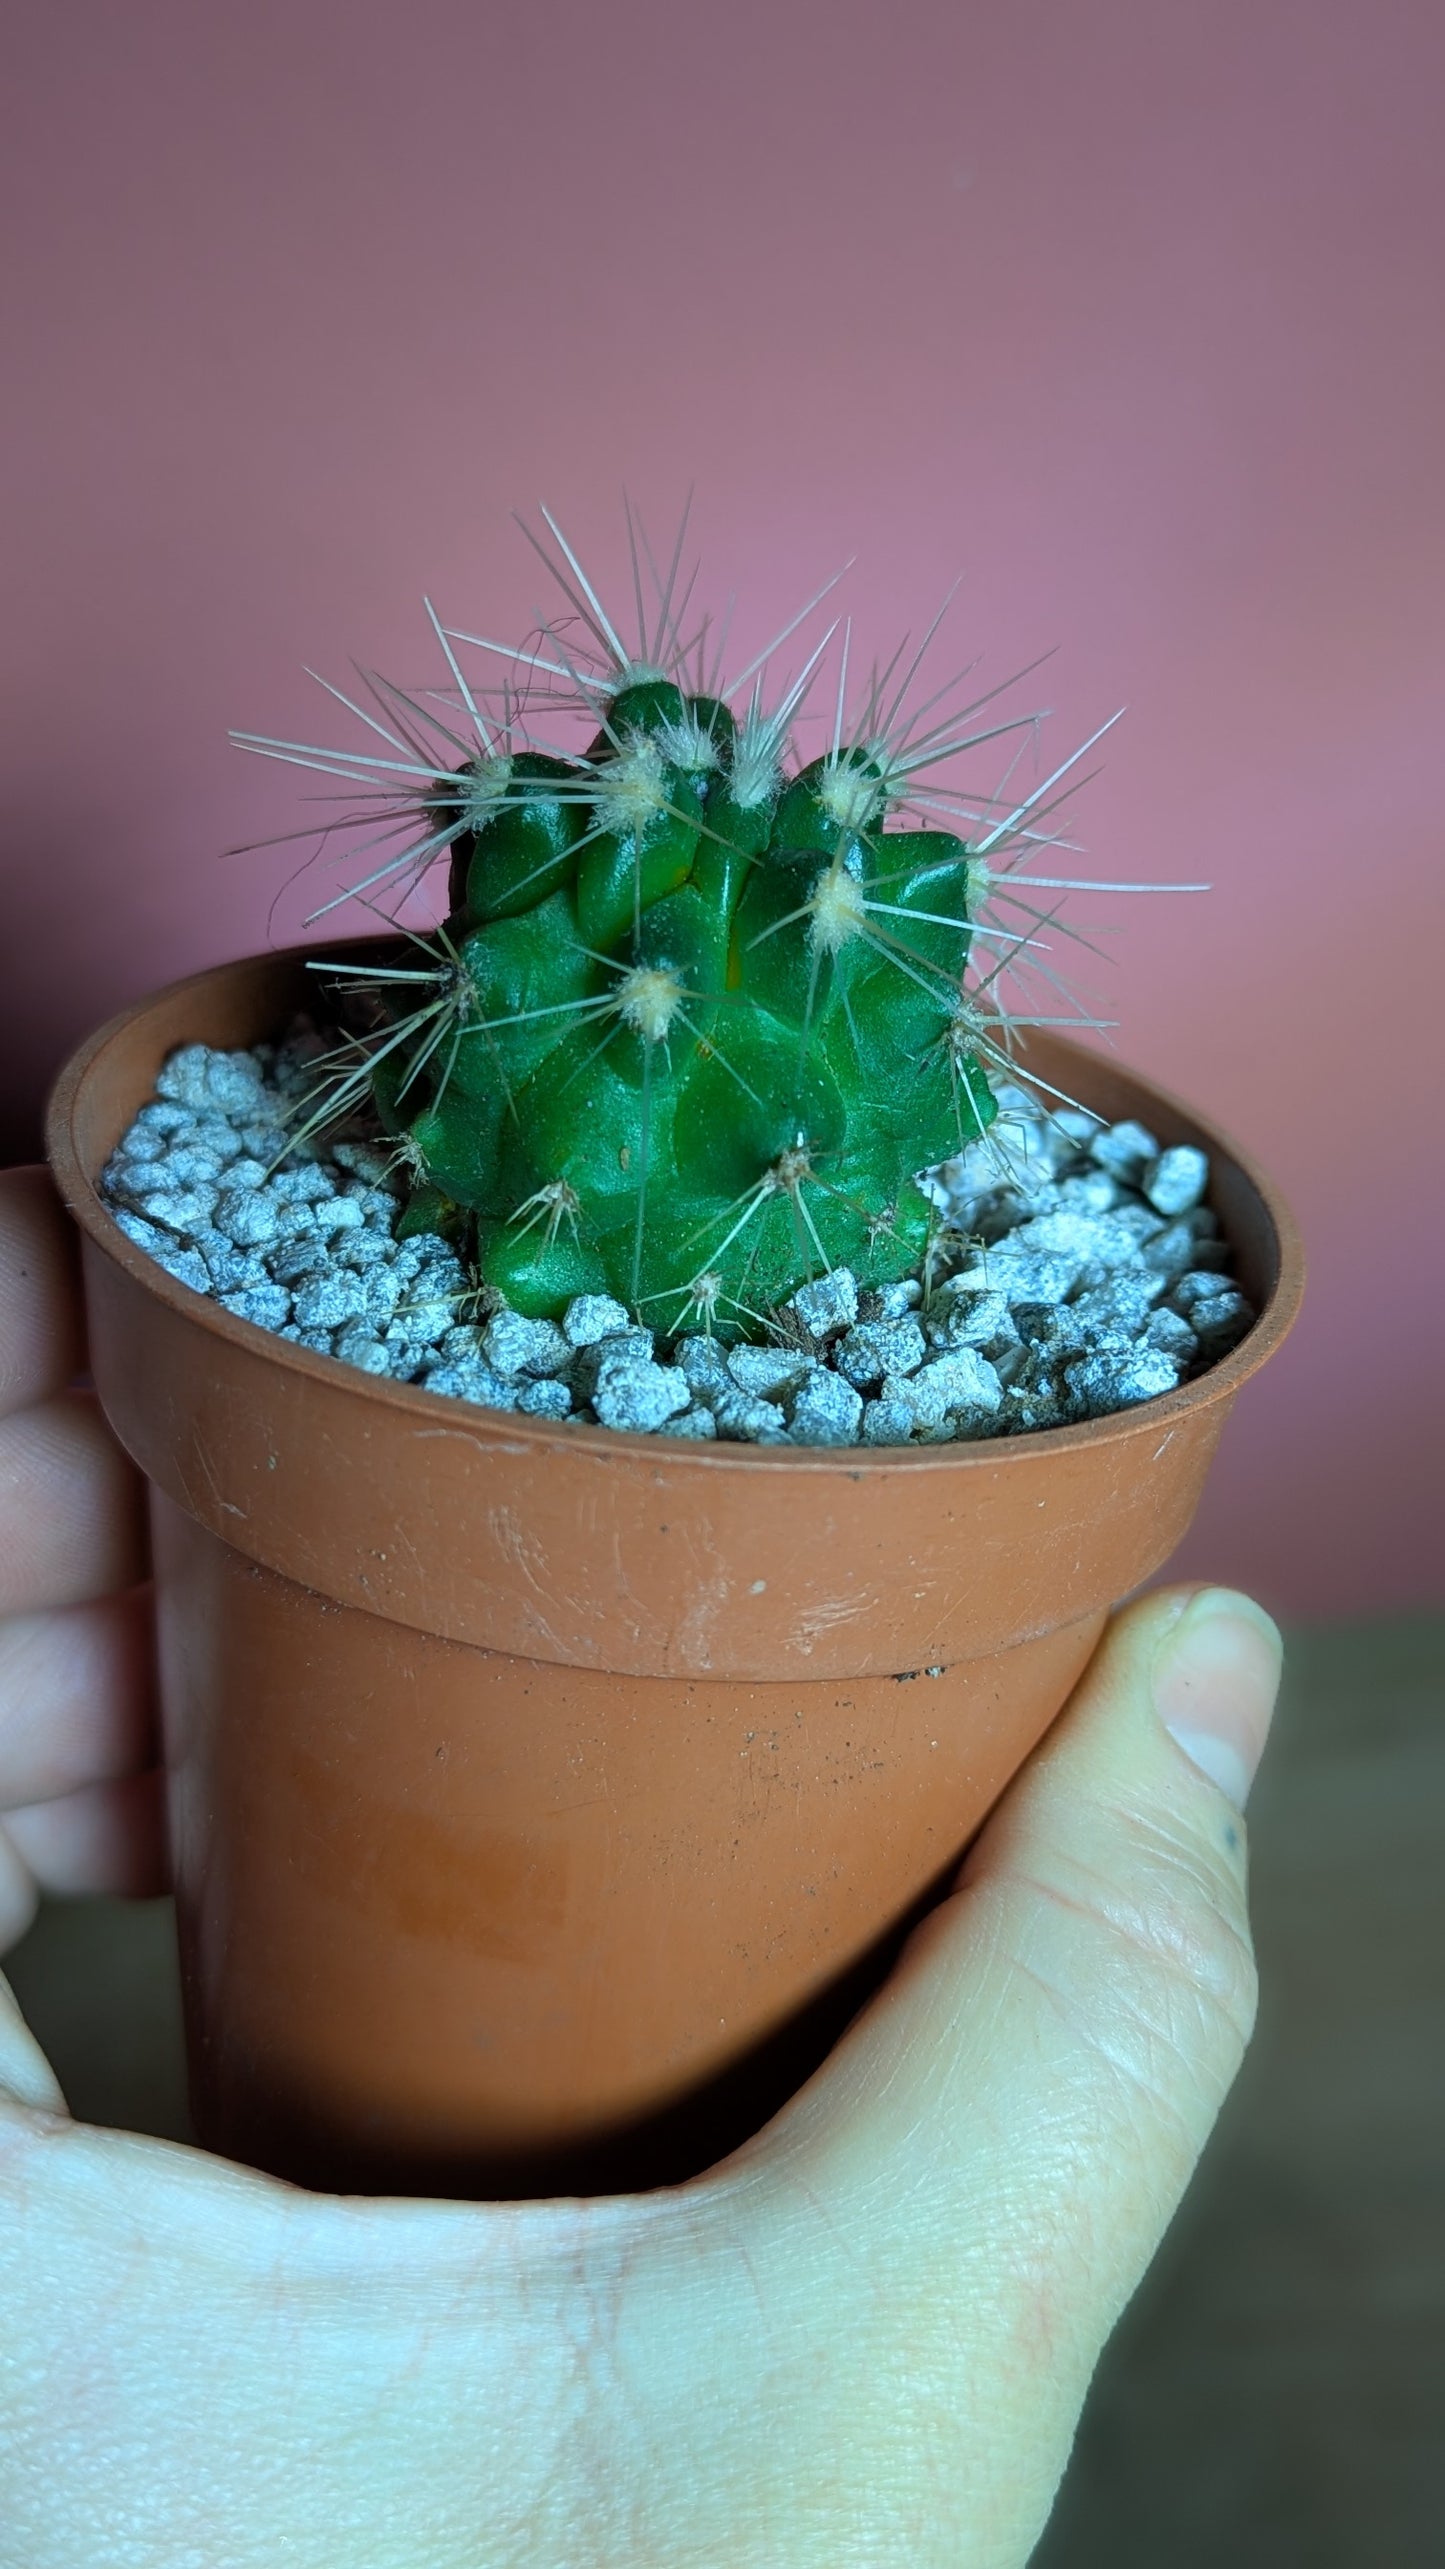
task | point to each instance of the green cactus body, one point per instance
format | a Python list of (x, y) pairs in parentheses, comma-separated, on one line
[(697, 1017), (702, 1024)]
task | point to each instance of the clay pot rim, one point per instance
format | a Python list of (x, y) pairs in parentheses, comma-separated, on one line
[(508, 1427)]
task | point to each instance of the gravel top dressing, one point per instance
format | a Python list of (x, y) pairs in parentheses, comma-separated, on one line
[(1081, 1272)]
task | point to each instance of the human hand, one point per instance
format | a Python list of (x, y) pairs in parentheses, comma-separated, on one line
[(80, 1801), (864, 2338)]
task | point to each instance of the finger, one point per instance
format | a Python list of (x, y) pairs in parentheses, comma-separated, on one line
[(76, 1698), (19, 1894), (1028, 2096), (105, 1839), (41, 1324), (26, 2077), (71, 1509)]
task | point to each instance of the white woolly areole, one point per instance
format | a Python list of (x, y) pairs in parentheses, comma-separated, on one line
[(648, 998), (971, 1026), (978, 883), (688, 746), (837, 909), (484, 791), (553, 1204), (637, 673), (757, 769), (630, 789), (850, 797), (789, 1169)]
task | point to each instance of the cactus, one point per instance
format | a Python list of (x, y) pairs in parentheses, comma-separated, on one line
[(698, 1018)]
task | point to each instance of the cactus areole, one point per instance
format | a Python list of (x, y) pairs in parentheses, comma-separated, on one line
[(700, 1023)]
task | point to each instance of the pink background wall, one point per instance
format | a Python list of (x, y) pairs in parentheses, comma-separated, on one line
[(1128, 311)]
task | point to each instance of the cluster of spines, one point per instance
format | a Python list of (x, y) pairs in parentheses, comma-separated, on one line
[(699, 1014)]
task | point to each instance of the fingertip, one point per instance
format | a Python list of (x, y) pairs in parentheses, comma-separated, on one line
[(72, 1509), (77, 1696), (26, 2077), (1215, 1679), (42, 1333), (102, 1841), (19, 1894), (1201, 1659)]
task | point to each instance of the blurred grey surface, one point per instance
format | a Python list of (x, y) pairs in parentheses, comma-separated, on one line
[(1276, 2393)]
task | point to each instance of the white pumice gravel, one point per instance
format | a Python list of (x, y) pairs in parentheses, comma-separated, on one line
[(590, 1316), (879, 1347), (634, 1393), (826, 1410), (512, 1345), (1084, 1272), (768, 1373), (1177, 1180), (827, 1305)]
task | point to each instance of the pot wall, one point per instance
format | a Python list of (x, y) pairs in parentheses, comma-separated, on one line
[(549, 1900)]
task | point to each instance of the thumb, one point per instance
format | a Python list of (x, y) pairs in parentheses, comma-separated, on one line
[(1035, 2083)]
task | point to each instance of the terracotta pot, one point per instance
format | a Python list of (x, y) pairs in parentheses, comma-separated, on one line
[(543, 1801)]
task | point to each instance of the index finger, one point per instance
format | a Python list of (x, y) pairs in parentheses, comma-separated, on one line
[(42, 1328)]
